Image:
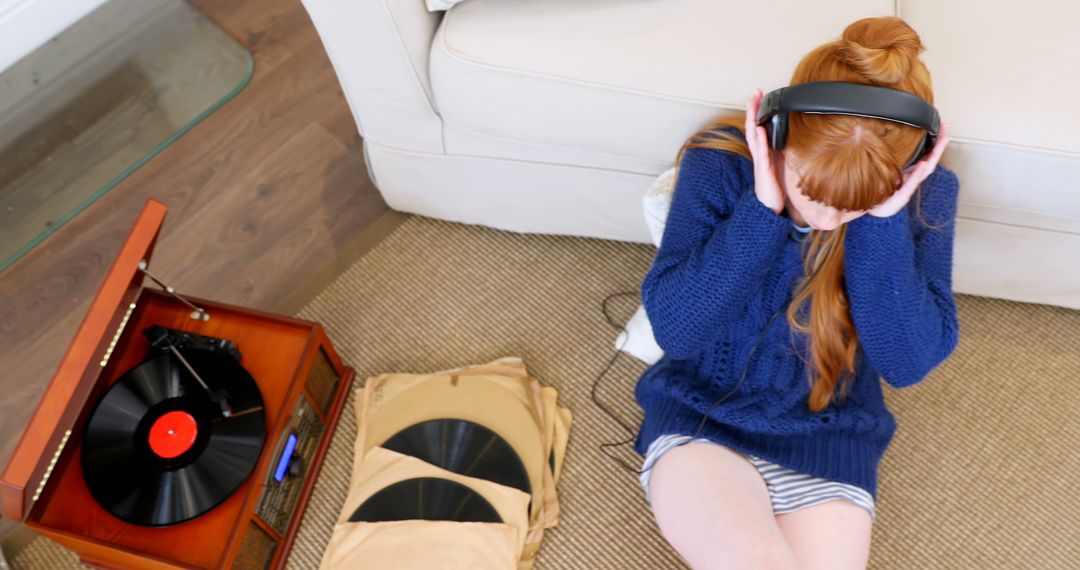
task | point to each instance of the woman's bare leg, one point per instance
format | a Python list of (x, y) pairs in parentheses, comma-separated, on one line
[(712, 506), (834, 535)]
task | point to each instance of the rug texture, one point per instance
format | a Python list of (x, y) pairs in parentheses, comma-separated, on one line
[(983, 472)]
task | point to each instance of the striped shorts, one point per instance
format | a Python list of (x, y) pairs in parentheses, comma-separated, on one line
[(789, 490)]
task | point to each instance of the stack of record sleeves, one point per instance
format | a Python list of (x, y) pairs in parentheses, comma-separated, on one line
[(453, 469)]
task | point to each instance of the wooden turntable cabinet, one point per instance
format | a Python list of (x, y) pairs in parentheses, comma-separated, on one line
[(303, 384)]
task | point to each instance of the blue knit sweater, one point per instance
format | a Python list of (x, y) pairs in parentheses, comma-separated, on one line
[(727, 263)]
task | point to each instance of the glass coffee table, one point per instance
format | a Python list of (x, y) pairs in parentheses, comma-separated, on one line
[(88, 107)]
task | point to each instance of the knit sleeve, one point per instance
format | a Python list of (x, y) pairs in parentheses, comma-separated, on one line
[(898, 281), (718, 244)]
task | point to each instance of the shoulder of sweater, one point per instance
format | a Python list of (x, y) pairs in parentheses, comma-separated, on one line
[(717, 158), (942, 176), (936, 203), (939, 193), (726, 171)]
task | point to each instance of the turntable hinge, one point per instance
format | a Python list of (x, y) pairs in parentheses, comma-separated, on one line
[(52, 463), (116, 337), (197, 313)]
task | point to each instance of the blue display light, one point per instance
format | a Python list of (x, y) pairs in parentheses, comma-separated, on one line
[(286, 456)]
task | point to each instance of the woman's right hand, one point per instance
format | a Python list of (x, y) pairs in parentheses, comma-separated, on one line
[(766, 184)]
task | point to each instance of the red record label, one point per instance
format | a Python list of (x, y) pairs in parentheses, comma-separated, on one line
[(173, 434)]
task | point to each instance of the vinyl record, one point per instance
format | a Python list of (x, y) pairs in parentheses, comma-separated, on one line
[(504, 407), (427, 498), (158, 450), (464, 447)]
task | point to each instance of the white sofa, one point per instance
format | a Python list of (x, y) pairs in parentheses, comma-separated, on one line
[(554, 116)]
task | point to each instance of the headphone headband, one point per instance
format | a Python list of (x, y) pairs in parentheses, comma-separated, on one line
[(843, 98)]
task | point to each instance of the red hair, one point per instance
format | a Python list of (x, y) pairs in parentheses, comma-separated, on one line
[(849, 163)]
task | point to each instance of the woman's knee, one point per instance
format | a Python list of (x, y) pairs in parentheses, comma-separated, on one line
[(834, 534), (712, 506)]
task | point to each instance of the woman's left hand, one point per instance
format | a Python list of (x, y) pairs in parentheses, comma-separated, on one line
[(912, 178)]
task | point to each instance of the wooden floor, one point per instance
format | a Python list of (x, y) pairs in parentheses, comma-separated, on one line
[(268, 199)]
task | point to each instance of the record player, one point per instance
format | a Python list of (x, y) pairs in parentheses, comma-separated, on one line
[(177, 432)]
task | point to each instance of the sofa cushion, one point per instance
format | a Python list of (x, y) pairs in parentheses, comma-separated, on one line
[(619, 85), (613, 78), (440, 5), (1004, 79), (1004, 75)]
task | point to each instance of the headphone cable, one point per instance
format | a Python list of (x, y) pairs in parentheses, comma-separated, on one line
[(704, 418)]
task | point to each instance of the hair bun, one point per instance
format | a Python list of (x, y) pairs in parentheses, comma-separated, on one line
[(883, 50)]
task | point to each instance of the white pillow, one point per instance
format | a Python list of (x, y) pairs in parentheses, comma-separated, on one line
[(657, 200), (440, 5)]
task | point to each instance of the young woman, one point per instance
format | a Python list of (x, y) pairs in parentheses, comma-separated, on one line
[(762, 435)]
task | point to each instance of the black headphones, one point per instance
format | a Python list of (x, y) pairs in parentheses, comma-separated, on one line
[(843, 98)]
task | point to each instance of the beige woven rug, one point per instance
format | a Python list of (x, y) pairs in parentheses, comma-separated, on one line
[(984, 471)]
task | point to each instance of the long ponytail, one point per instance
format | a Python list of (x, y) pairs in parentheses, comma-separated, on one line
[(850, 163)]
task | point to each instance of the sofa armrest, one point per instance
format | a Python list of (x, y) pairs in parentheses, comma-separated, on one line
[(379, 49)]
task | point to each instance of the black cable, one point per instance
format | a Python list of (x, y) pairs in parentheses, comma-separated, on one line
[(596, 383), (705, 416), (614, 357)]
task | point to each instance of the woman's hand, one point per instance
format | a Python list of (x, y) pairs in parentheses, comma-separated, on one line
[(766, 184), (912, 178)]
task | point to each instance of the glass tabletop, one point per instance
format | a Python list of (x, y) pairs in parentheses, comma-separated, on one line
[(87, 108)]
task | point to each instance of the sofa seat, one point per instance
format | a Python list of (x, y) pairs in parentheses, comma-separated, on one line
[(555, 116), (559, 80)]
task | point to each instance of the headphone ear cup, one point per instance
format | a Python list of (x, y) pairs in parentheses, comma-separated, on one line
[(777, 131), (924, 148)]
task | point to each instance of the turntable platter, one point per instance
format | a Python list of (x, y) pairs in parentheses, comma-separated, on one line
[(158, 450)]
